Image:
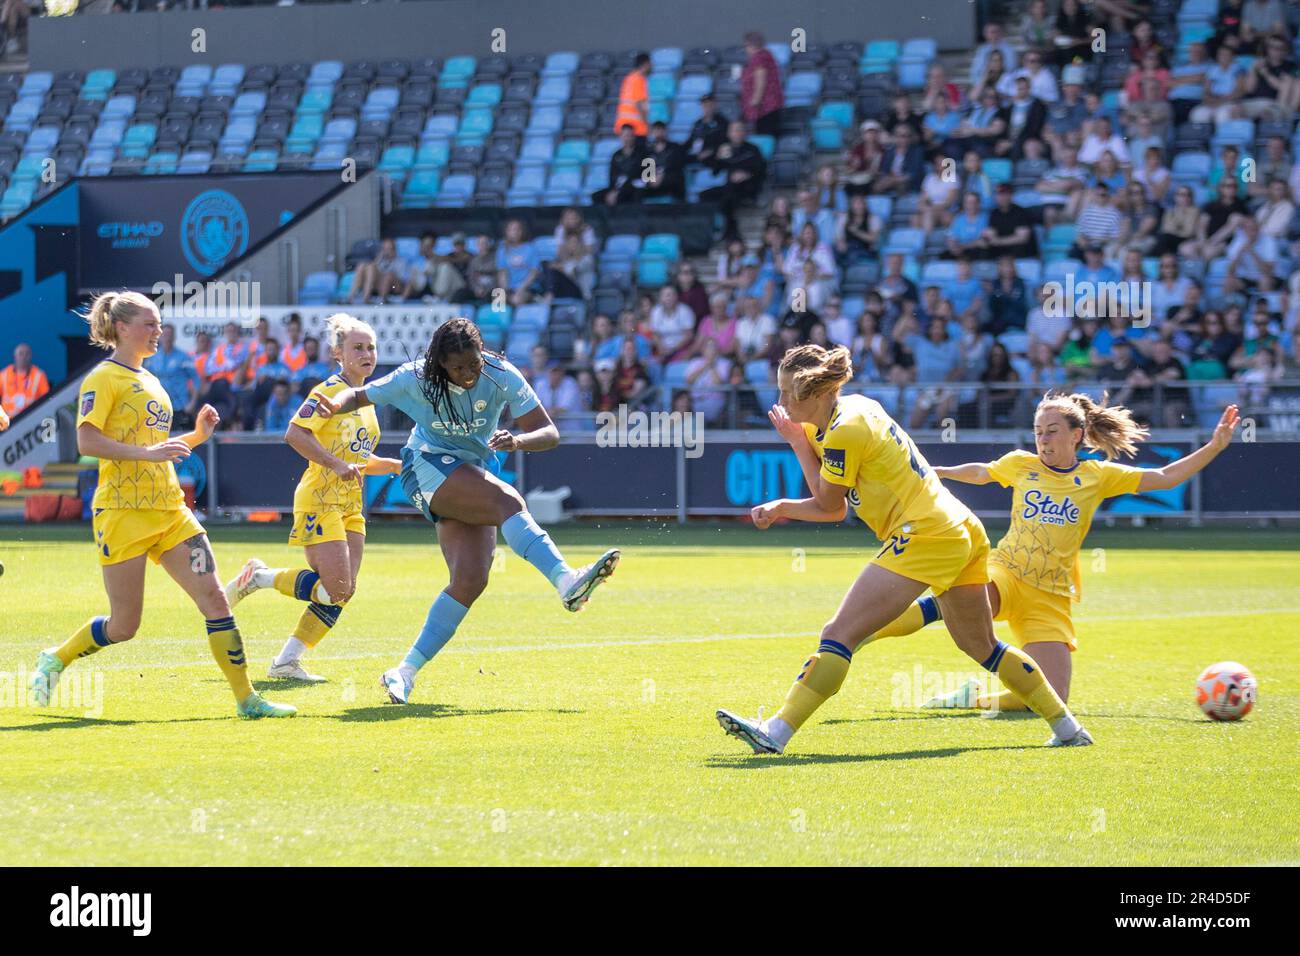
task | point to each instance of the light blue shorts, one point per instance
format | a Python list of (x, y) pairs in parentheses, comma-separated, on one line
[(423, 473)]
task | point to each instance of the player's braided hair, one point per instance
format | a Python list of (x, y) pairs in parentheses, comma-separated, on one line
[(816, 370), (1109, 429), (454, 335)]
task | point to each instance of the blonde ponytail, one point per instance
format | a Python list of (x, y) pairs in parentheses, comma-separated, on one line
[(109, 308), (337, 327), (1109, 429), (816, 370)]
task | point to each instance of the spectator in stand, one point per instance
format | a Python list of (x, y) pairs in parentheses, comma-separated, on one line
[(292, 353), (201, 356), (938, 360), (982, 127), (938, 126), (539, 358), (1229, 165), (668, 173), (994, 42), (1276, 212), (902, 115), (1036, 27), (22, 383), (1044, 372), (483, 269), (557, 391), (572, 224), (729, 264), (634, 100), (1103, 139), (518, 264), (1050, 330), (903, 165), (822, 218), (1010, 229), (1067, 115), (461, 258), (1274, 164), (1218, 222), (575, 261), (382, 278), (605, 397), (672, 324), (1073, 37), (1042, 83), (857, 233), (624, 170), (761, 96), (965, 236), (279, 409), (1149, 117), (707, 133), (827, 191), (780, 214), (1261, 19), (938, 199), (1025, 115), (812, 291), (745, 169), (691, 291), (937, 88), (839, 327), (870, 350), (972, 178), (716, 326), (1002, 401), (754, 329), (1223, 90), (862, 162), (433, 277), (174, 369), (263, 378), (966, 293), (994, 70), (1272, 87), (1008, 299), (1150, 67), (1252, 259), (314, 371), (809, 247), (1169, 290), (603, 343), (894, 287), (1076, 354), (630, 375), (708, 374), (1099, 221), (1153, 176), (1108, 171), (1179, 224)]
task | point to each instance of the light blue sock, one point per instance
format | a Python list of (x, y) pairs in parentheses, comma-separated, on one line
[(534, 545), (444, 617)]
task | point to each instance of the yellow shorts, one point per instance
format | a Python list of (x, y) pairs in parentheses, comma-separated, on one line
[(125, 533), (317, 527), (1034, 614), (956, 557)]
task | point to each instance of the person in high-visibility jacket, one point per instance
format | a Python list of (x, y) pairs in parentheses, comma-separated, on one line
[(634, 98), (21, 383)]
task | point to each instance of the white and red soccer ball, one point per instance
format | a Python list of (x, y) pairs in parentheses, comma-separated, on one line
[(1226, 691)]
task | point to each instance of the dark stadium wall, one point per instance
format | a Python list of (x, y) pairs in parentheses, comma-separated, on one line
[(441, 28)]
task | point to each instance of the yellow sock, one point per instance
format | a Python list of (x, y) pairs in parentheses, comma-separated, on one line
[(1020, 675), (918, 615), (228, 649), (316, 621), (301, 583), (821, 677), (1003, 700), (88, 639)]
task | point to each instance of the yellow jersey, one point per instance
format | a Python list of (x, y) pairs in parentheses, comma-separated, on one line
[(1051, 511), (351, 437), (131, 406), (892, 488)]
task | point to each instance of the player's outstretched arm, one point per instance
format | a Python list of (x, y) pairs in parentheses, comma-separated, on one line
[(797, 509), (341, 402), (1176, 472), (376, 465), (95, 444), (973, 473), (536, 433)]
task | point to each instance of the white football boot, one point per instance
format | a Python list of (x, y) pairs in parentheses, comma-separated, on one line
[(246, 583), (751, 732), (576, 586), (398, 684), (293, 670)]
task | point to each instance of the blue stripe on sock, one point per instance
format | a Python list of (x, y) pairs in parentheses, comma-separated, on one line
[(991, 665), (328, 613), (836, 648), (220, 624), (305, 584), (929, 610), (99, 631)]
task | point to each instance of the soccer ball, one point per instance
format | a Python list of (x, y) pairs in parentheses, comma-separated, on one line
[(1226, 691)]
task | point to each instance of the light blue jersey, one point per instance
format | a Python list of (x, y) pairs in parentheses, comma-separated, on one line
[(500, 385)]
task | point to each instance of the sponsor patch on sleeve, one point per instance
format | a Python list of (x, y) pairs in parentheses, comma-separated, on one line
[(308, 408), (833, 461), (87, 403)]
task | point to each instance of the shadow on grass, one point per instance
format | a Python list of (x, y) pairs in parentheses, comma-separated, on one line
[(931, 715), (407, 711), (75, 722), (756, 761)]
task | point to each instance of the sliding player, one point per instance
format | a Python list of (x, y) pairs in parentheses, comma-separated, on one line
[(456, 396), (327, 518), (124, 419), (849, 448), (1035, 567)]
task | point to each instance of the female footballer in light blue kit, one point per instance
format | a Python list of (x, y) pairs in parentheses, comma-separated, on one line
[(456, 396)]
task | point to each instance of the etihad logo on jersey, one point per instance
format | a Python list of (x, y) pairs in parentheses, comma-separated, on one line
[(455, 428), (157, 415), (833, 461), (1041, 505)]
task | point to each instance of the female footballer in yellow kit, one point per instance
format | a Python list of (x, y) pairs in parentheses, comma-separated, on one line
[(124, 419), (1035, 567), (328, 522), (849, 448)]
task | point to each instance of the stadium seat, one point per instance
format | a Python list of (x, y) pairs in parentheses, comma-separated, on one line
[(318, 289)]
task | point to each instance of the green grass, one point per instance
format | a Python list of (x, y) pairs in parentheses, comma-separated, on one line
[(543, 737)]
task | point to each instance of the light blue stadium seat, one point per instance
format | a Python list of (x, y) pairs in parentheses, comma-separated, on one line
[(563, 64)]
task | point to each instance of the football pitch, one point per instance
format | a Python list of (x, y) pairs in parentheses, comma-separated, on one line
[(541, 737)]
